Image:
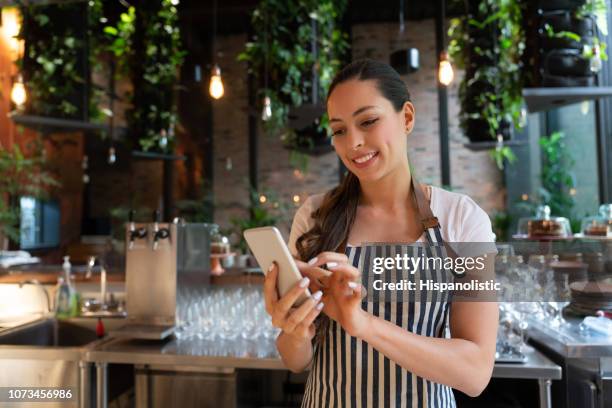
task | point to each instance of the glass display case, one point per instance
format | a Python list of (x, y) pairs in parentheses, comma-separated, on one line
[(599, 225), (543, 225)]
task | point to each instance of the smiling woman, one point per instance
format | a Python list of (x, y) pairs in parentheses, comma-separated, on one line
[(387, 353)]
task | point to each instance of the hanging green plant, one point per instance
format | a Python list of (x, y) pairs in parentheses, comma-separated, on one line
[(55, 60), (146, 43), (281, 59), (487, 42)]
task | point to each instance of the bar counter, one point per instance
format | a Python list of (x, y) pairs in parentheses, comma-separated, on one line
[(229, 355)]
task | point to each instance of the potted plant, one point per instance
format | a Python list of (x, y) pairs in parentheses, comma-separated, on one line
[(267, 209), (22, 175), (557, 180), (487, 42), (146, 43), (55, 63), (296, 52)]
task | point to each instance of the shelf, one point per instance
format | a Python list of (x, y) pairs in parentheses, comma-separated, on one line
[(47, 124), (541, 99), (480, 146), (10, 3), (155, 156)]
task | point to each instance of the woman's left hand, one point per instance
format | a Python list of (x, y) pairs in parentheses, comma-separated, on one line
[(342, 293)]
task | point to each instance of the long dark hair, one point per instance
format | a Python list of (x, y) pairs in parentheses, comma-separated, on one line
[(334, 217)]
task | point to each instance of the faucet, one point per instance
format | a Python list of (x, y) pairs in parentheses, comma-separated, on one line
[(135, 233), (38, 284), (158, 233), (91, 262)]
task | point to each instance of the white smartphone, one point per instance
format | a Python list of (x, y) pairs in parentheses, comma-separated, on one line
[(267, 245)]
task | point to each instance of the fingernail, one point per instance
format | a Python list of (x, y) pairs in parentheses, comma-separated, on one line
[(353, 285), (319, 306), (317, 296), (304, 282), (271, 267), (313, 261), (331, 265)]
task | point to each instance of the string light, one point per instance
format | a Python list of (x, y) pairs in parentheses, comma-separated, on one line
[(266, 113), (18, 92), (216, 83), (524, 197), (445, 70), (112, 157), (85, 166), (584, 107), (263, 199), (163, 141), (296, 198), (11, 26)]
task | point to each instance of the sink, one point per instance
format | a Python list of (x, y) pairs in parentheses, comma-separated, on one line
[(47, 353), (48, 332)]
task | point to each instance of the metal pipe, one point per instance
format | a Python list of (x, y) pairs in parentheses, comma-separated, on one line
[(101, 385), (85, 390), (442, 100)]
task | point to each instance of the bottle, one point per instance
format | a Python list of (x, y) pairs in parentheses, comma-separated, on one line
[(62, 299), (67, 299)]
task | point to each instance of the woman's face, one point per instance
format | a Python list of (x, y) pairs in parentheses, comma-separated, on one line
[(368, 134)]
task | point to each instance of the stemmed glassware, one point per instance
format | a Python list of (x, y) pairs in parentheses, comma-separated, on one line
[(223, 313)]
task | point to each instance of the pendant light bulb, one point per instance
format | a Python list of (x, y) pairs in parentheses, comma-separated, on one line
[(266, 113), (216, 83), (445, 70), (112, 156), (18, 92)]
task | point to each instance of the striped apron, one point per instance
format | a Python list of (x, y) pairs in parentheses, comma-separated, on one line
[(348, 372)]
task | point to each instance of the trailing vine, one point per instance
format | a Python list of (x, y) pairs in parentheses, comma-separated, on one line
[(54, 63), (488, 42), (281, 60), (146, 42)]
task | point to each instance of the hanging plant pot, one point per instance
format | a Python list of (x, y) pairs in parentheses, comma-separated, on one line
[(548, 43), (567, 63), (310, 140), (563, 20), (477, 88), (552, 81), (478, 130)]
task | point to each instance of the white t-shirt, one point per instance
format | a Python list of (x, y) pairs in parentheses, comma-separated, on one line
[(460, 218)]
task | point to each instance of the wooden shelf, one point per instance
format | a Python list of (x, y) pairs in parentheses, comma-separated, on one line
[(155, 156), (480, 146), (47, 124)]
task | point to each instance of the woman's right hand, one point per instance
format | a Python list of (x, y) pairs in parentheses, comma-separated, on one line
[(296, 322)]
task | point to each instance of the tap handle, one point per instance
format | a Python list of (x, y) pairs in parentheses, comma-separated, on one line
[(132, 227), (156, 216)]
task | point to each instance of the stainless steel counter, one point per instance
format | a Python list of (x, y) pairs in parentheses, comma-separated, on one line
[(536, 367), (239, 353), (568, 341), (225, 356)]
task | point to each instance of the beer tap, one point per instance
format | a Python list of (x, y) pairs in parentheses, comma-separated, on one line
[(158, 233), (135, 233)]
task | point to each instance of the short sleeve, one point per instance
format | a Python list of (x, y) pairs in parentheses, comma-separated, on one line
[(302, 222), (475, 234)]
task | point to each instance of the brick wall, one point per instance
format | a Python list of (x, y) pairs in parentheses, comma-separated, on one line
[(472, 173)]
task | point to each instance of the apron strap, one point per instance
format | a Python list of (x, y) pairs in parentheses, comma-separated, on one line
[(430, 223), (428, 220)]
